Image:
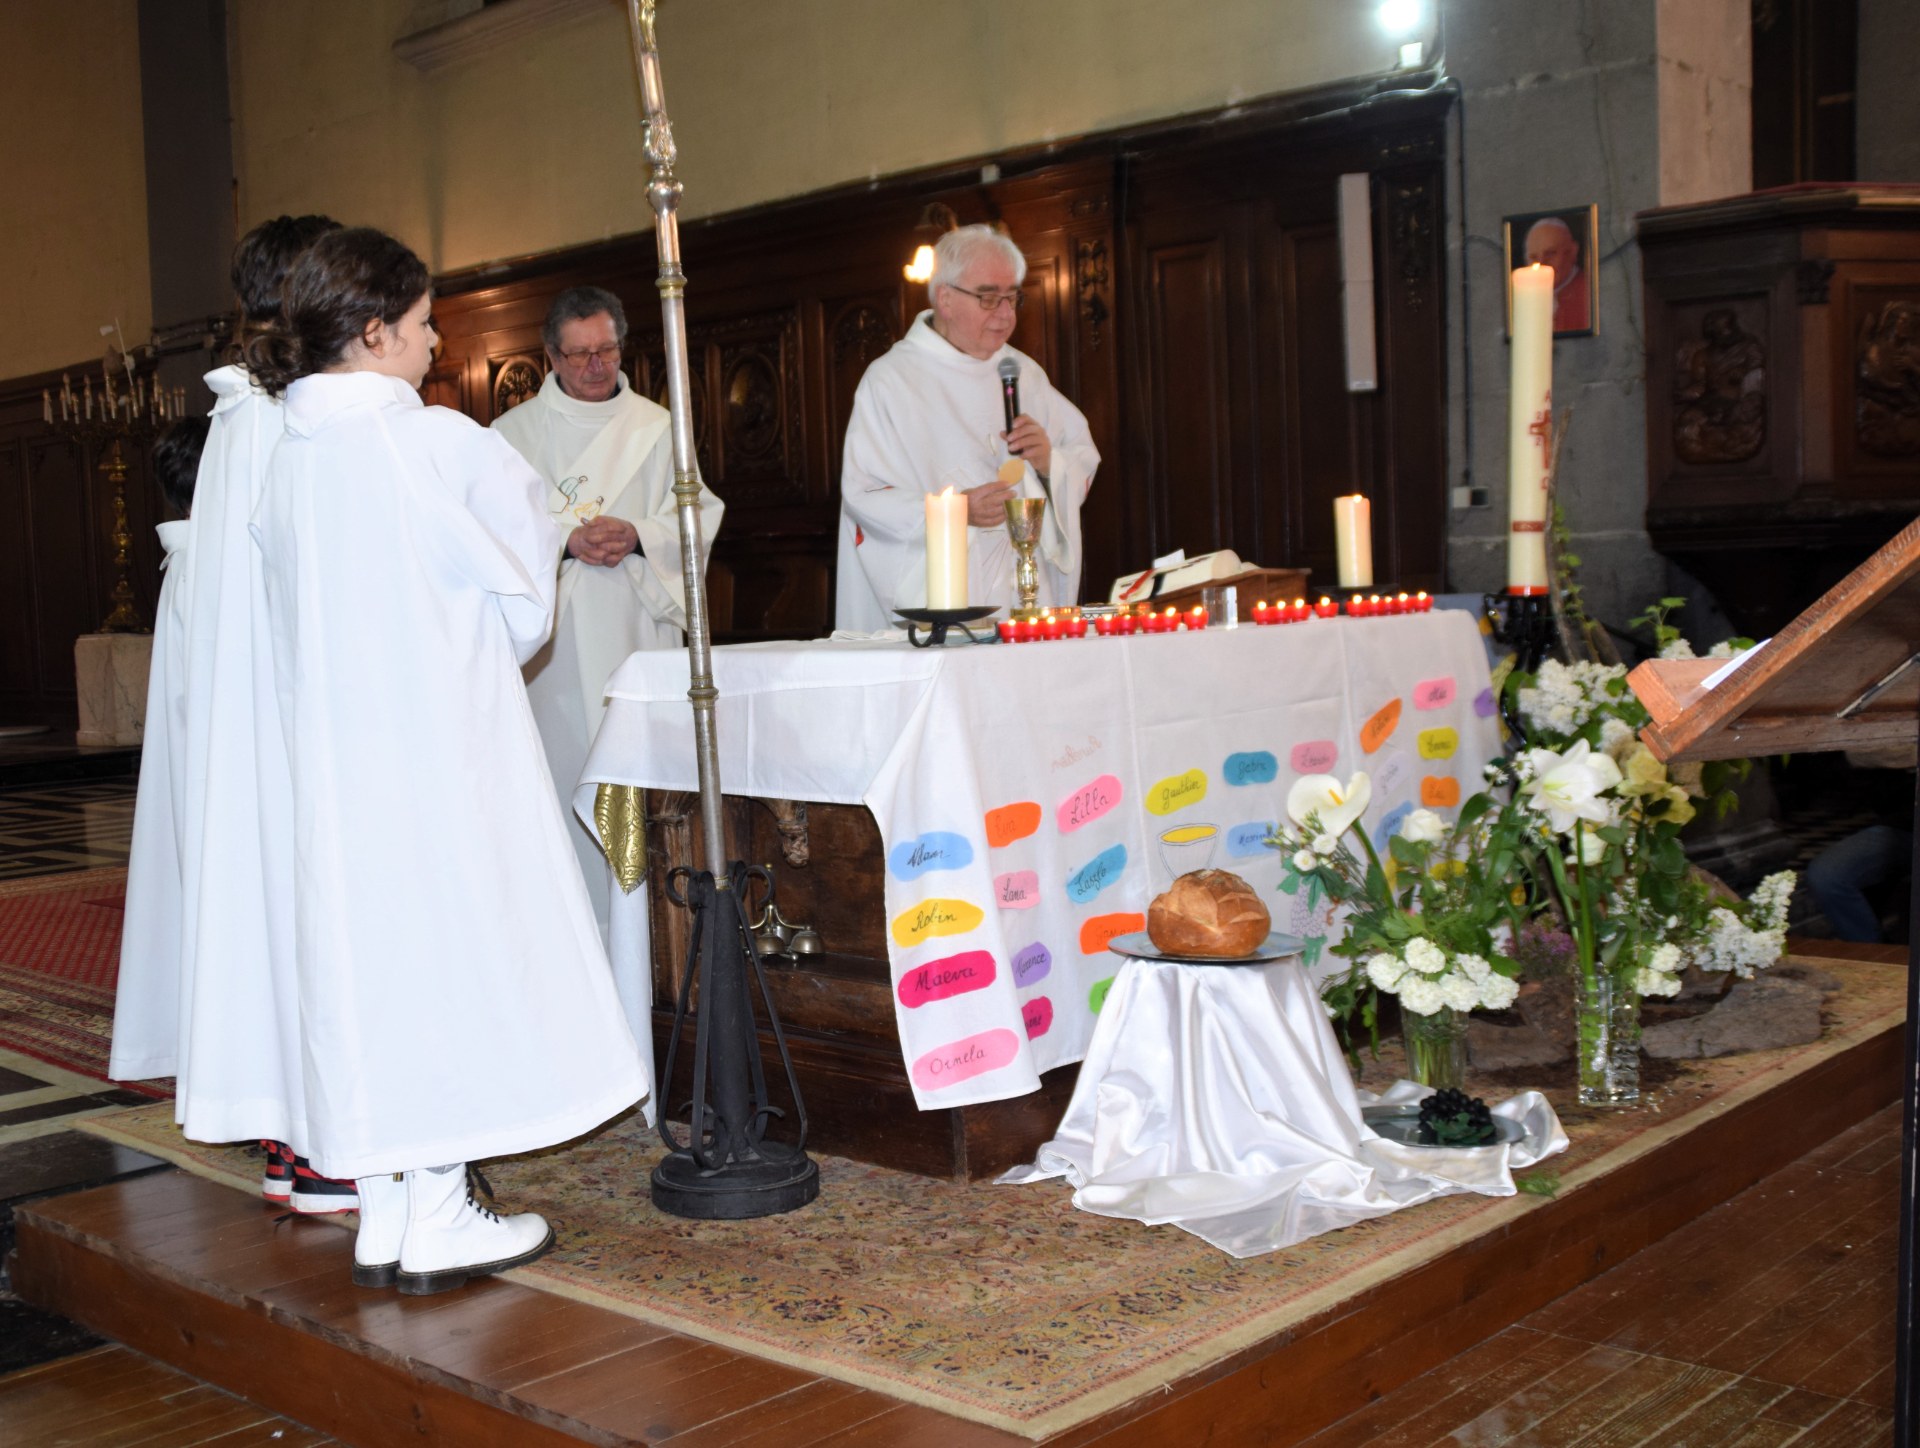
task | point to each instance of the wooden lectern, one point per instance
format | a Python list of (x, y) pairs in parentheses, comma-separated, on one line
[(1843, 675)]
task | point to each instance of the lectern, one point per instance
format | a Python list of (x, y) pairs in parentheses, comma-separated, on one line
[(1843, 675)]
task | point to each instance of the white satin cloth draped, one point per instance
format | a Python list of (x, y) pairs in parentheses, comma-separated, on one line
[(1216, 1099)]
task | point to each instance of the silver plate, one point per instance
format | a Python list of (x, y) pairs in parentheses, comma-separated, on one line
[(1401, 1123), (1140, 946)]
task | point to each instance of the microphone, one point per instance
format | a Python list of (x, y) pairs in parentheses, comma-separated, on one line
[(1010, 389)]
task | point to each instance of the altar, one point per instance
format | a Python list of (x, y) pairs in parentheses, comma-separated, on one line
[(978, 823)]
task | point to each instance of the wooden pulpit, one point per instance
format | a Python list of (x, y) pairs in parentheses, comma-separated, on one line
[(1843, 675)]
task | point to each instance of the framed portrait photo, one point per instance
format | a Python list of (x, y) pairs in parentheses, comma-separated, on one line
[(1567, 240)]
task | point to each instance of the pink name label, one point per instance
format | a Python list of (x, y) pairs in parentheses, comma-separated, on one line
[(1017, 890), (1316, 756), (1038, 1017), (951, 975), (1088, 803), (962, 1060), (1433, 693)]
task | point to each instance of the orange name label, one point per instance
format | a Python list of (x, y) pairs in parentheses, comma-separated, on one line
[(1379, 729), (1012, 822), (1437, 791), (1096, 933)]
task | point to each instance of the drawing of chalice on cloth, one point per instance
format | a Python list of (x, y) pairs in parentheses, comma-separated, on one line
[(1023, 527), (1186, 848)]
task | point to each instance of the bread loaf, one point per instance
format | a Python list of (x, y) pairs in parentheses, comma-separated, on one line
[(1209, 912)]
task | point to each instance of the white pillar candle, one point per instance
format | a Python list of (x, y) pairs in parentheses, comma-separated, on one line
[(1529, 429), (947, 549), (1353, 540)]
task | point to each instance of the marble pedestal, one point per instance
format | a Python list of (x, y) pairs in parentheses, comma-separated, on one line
[(110, 671)]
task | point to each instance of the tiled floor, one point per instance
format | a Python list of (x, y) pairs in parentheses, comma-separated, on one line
[(53, 828)]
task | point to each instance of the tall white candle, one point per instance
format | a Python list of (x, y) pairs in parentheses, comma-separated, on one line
[(1529, 429), (947, 549), (1353, 540)]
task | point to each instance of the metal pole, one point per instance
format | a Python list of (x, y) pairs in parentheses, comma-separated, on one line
[(1906, 1308)]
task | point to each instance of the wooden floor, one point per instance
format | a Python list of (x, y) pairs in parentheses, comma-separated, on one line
[(1769, 1321), (112, 1398)]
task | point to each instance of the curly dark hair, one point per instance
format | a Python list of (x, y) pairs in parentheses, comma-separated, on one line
[(264, 257), (338, 288), (176, 460)]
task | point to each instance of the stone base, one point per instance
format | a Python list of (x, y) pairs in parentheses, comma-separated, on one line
[(110, 672)]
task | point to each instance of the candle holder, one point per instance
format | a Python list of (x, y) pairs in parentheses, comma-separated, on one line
[(1024, 516), (112, 430), (1524, 623), (940, 620)]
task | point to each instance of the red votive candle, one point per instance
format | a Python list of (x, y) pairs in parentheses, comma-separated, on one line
[(1298, 612), (1326, 607), (1076, 627), (1198, 618), (1262, 614), (1005, 627), (1023, 631), (1124, 625), (1422, 602)]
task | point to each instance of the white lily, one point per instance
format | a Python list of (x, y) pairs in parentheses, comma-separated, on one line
[(1567, 787), (1336, 805)]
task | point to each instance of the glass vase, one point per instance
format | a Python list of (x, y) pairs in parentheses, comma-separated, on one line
[(1607, 1023), (1436, 1046)]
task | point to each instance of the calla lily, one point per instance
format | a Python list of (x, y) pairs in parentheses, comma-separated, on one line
[(1336, 805), (1567, 787)]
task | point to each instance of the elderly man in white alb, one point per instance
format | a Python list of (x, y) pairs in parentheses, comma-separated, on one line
[(930, 415), (607, 455)]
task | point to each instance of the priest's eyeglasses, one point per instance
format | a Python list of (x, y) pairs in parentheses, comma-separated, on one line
[(990, 301), (581, 356)]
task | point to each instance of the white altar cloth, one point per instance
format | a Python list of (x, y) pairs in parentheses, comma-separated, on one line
[(1215, 1098), (1032, 799)]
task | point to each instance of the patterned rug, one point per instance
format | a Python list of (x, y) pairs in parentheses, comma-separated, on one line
[(1004, 1305), (59, 958)]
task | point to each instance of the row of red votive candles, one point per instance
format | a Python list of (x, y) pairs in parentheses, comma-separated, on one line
[(1375, 605), (1107, 625)]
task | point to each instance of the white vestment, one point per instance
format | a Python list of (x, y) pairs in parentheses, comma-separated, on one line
[(455, 1001), (611, 458), (146, 1005), (926, 417), (222, 1030)]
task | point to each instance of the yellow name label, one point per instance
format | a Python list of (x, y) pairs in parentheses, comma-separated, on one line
[(1177, 792), (1438, 743), (935, 917)]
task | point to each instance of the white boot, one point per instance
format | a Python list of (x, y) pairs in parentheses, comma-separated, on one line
[(383, 1223), (451, 1237)]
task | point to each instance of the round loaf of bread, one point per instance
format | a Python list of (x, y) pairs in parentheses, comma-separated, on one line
[(1209, 912)]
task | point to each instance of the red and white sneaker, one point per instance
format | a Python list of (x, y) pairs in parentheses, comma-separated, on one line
[(318, 1196), (276, 1178)]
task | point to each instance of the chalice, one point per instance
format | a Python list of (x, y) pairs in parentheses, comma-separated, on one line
[(1023, 527)]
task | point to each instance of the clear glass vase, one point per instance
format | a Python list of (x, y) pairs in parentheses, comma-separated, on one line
[(1607, 1024), (1436, 1046)]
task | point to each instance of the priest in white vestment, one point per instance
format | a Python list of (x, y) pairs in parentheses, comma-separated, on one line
[(930, 415), (606, 454)]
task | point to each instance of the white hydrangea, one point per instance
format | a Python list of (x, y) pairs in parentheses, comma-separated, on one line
[(1678, 649), (1497, 991), (1734, 945), (1665, 959), (1426, 957), (1474, 967), (1617, 737), (1459, 991), (1420, 995), (1650, 982), (1386, 971)]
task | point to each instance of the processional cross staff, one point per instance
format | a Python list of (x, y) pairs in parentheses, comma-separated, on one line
[(727, 1169)]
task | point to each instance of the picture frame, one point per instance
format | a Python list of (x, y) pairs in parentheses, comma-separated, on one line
[(1576, 304)]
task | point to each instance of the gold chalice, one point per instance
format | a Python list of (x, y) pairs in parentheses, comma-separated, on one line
[(1023, 526)]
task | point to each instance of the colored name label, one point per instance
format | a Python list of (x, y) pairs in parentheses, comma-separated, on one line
[(937, 850), (1012, 822), (1433, 693), (951, 975), (1017, 890), (1032, 965), (1249, 838), (1037, 1016), (1391, 773), (1390, 823), (1379, 729), (935, 917), (1255, 767), (964, 1059), (1098, 873), (1439, 791), (1439, 743), (1097, 997), (1098, 932), (1087, 803), (1483, 703), (1177, 791), (1316, 756)]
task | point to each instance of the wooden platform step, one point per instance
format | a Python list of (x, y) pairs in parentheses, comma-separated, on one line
[(202, 1277)]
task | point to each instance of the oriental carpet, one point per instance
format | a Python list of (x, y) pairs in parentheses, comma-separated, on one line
[(59, 959), (1004, 1305)]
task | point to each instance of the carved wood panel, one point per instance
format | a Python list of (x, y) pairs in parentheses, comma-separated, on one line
[(1885, 362), (859, 329), (757, 407), (513, 379)]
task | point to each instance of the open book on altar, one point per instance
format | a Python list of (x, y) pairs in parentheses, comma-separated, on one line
[(1174, 572)]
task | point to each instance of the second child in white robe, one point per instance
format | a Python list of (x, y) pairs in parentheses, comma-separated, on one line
[(455, 1001), (927, 416)]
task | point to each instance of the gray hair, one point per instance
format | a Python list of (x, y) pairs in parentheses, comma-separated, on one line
[(576, 304), (963, 246)]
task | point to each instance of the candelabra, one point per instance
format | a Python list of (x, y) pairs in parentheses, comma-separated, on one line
[(105, 427)]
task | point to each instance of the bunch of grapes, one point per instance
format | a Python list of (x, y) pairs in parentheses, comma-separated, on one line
[(1453, 1118)]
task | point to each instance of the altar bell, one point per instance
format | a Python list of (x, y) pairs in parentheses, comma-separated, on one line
[(606, 454), (455, 1001), (933, 414), (201, 987)]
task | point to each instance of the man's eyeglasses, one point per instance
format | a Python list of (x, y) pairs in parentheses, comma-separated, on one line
[(581, 356), (990, 300)]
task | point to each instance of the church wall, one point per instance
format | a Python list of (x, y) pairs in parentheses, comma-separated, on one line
[(537, 146), (73, 231), (1887, 105)]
